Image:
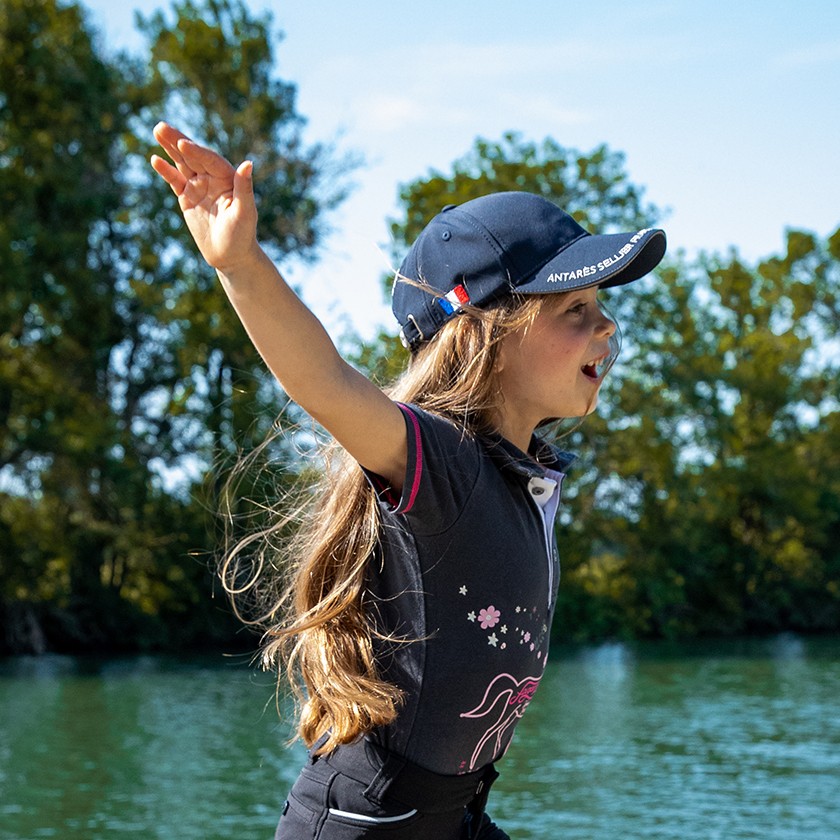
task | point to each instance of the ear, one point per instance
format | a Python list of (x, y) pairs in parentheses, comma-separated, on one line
[(501, 356)]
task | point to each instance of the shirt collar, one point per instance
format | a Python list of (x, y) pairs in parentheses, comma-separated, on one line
[(541, 456)]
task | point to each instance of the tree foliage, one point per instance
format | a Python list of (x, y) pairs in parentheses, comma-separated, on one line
[(708, 503), (705, 500), (124, 375)]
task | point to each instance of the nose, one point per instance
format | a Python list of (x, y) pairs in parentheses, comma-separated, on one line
[(606, 326)]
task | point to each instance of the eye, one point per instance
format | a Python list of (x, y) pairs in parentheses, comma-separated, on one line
[(577, 309)]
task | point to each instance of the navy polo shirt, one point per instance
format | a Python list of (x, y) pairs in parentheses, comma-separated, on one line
[(463, 586)]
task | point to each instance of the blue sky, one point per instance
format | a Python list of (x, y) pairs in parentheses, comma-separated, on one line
[(728, 112)]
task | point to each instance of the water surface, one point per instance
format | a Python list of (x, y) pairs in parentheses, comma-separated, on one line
[(737, 741)]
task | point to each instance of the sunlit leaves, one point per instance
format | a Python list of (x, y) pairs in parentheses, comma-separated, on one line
[(705, 500), (124, 374)]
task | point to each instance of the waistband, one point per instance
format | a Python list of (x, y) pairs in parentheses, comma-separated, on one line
[(386, 773)]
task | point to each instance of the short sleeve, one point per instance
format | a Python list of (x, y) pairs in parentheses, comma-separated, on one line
[(442, 466)]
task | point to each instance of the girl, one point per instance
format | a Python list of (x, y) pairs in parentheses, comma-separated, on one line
[(426, 580)]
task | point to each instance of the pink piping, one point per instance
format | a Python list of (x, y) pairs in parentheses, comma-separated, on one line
[(418, 459)]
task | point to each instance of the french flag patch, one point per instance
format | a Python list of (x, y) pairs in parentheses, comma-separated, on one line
[(454, 300)]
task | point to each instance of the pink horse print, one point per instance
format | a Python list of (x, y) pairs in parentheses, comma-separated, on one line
[(518, 694)]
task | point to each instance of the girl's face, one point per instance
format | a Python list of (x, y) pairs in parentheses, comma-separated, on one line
[(553, 367)]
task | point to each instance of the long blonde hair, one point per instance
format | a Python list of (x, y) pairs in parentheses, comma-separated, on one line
[(317, 628)]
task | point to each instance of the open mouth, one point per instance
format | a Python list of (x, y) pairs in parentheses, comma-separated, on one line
[(592, 370)]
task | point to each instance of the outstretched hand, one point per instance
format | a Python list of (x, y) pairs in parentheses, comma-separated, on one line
[(217, 200), (218, 205)]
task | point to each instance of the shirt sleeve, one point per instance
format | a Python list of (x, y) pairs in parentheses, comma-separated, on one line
[(442, 467)]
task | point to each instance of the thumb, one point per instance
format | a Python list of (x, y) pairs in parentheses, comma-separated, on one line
[(243, 183)]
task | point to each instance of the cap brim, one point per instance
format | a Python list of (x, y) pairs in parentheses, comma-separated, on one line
[(604, 260)]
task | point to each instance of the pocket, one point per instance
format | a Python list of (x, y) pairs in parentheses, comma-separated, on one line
[(351, 825), (304, 806), (350, 814), (296, 823)]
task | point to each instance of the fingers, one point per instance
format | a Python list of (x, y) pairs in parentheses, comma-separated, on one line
[(202, 159), (197, 172), (170, 174), (168, 136), (190, 158)]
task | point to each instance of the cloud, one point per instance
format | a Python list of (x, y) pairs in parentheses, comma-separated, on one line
[(390, 112), (455, 85), (439, 92)]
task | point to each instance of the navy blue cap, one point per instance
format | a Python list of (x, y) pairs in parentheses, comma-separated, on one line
[(505, 243)]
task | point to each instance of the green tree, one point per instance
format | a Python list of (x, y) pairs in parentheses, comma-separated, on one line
[(704, 500), (61, 118), (713, 509), (123, 374), (217, 383)]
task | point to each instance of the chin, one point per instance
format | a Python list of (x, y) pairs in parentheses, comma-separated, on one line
[(593, 405)]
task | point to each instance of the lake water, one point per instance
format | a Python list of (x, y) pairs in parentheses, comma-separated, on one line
[(736, 741)]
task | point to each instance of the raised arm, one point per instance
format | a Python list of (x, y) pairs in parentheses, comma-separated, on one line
[(217, 201)]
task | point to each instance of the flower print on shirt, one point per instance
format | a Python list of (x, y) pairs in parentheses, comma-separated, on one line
[(489, 617), (531, 631)]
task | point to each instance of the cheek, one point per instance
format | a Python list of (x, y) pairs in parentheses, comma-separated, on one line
[(569, 346)]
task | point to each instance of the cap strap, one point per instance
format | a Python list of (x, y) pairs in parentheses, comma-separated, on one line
[(410, 334)]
